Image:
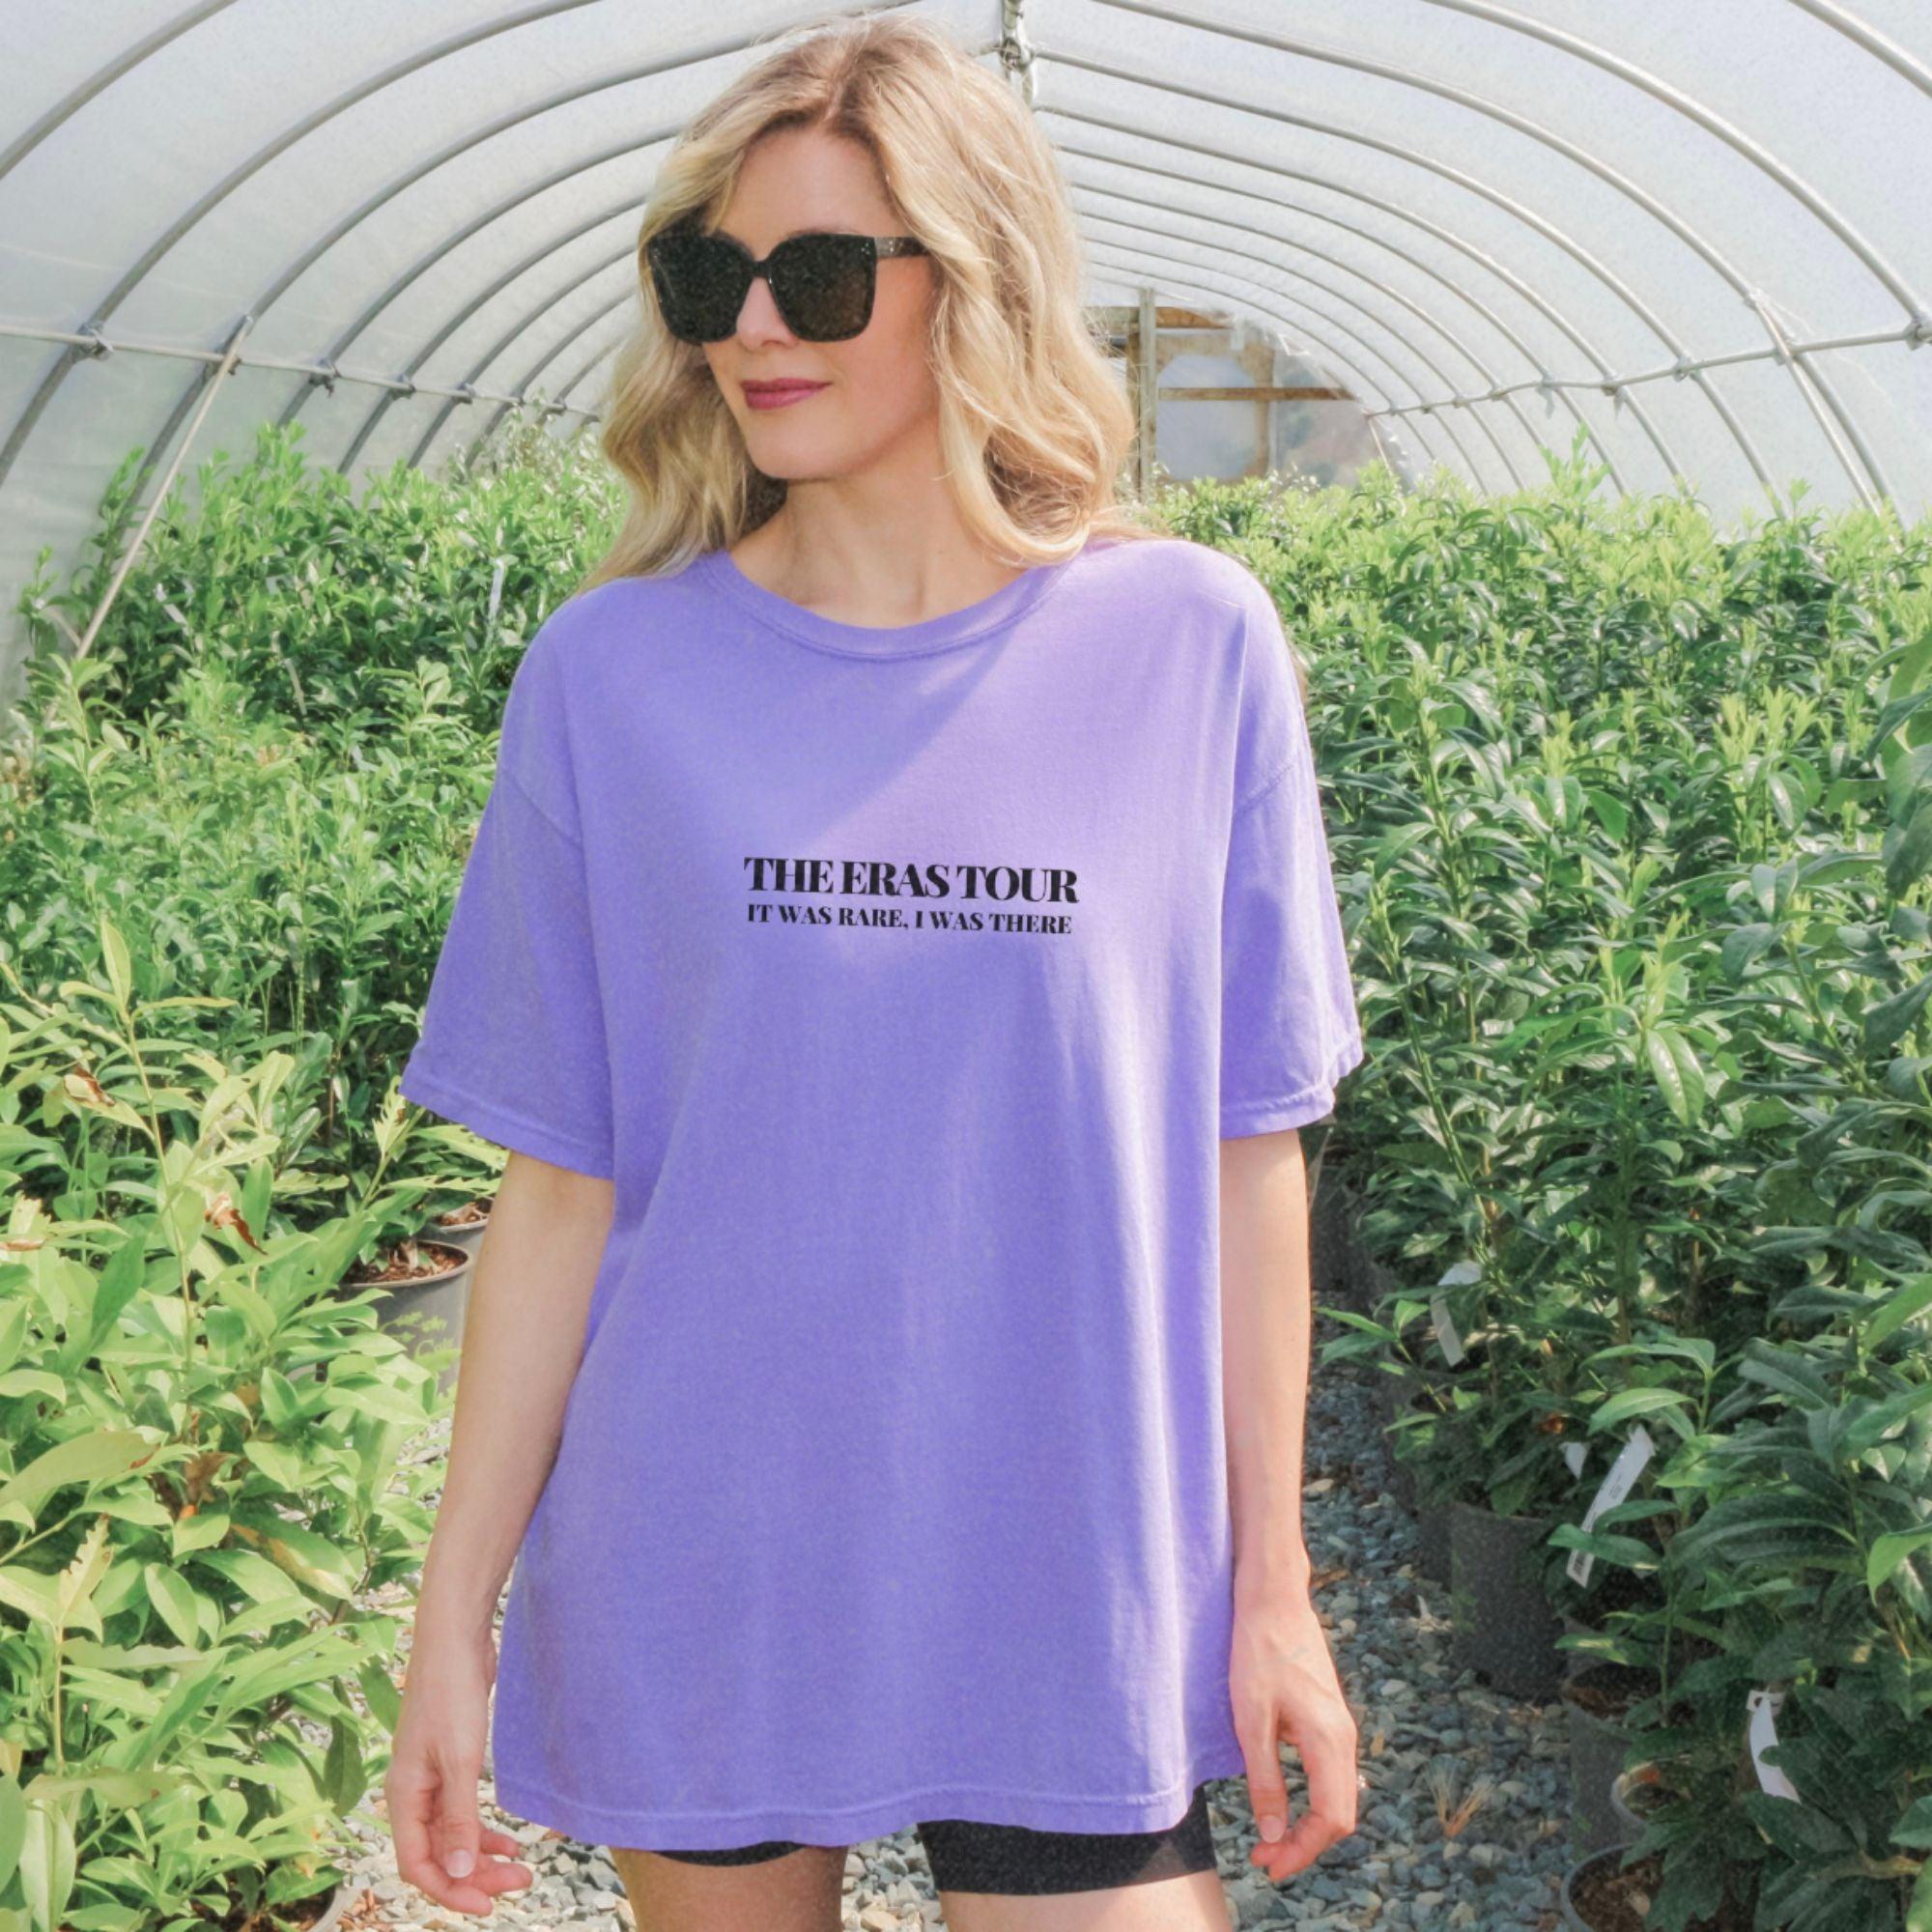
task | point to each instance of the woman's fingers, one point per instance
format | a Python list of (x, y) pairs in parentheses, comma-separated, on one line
[(1326, 1744), (419, 1828)]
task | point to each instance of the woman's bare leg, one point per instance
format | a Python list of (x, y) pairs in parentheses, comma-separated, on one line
[(1194, 1902), (799, 1891)]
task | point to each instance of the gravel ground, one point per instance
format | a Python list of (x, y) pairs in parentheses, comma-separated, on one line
[(1436, 1743)]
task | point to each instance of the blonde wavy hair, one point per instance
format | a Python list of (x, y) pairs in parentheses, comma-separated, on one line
[(1034, 424)]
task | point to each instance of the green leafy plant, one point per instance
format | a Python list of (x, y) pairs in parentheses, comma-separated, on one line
[(200, 1478)]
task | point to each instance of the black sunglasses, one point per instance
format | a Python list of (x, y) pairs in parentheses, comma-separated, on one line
[(823, 284)]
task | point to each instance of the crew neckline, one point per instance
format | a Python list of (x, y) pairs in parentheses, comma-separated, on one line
[(980, 619)]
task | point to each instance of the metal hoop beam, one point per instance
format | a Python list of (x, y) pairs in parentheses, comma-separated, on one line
[(1450, 337), (293, 270), (101, 79), (470, 309), (551, 354), (132, 277), (96, 348), (1474, 184), (1813, 382), (1613, 177), (1447, 237), (373, 84)]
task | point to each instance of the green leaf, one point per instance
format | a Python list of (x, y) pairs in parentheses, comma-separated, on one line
[(1892, 1550), (1742, 945), (13, 1828), (120, 971), (1877, 1422), (379, 1688), (1690, 1348), (344, 1777), (1885, 1023), (1908, 848), (1627, 1403), (1915, 1828), (1912, 1299), (1669, 1071), (174, 1599), (82, 1459), (1919, 1908), (309, 1558)]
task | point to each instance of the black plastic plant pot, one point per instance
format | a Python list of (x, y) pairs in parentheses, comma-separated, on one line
[(1432, 1529), (1402, 1483), (1330, 1232), (1602, 1862), (1505, 1628), (1595, 1700)]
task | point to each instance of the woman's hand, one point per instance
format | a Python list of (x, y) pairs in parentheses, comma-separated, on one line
[(442, 1847), (1282, 1683)]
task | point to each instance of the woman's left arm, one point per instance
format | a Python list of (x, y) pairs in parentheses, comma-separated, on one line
[(1282, 1679)]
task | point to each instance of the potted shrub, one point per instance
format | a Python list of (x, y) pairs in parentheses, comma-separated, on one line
[(1613, 1891), (195, 1537), (1819, 1528), (421, 1290)]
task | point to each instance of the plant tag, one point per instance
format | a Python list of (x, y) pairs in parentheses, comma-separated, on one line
[(1618, 1482), (1764, 1707), (1575, 1454), (1457, 1275)]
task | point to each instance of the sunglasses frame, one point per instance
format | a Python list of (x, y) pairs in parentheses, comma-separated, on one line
[(880, 245)]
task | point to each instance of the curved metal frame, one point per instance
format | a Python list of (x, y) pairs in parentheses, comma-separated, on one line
[(423, 57), (1557, 236), (1302, 275), (462, 315), (1614, 178), (505, 342), (132, 277), (1529, 293), (103, 77), (1525, 216), (449, 244), (556, 350), (1835, 419), (292, 272)]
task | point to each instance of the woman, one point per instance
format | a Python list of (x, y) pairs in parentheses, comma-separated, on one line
[(899, 952)]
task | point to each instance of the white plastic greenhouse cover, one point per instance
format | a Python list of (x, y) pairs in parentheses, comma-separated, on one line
[(1696, 231)]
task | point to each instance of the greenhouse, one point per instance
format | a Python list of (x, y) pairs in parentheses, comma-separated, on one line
[(1559, 377)]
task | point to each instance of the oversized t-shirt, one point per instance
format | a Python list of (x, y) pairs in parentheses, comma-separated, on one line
[(903, 981)]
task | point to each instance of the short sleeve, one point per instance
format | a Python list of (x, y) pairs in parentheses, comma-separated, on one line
[(1290, 1030), (512, 1043)]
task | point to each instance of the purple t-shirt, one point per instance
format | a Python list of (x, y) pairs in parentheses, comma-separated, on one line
[(904, 981)]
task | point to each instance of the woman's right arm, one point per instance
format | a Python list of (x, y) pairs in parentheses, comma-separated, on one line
[(522, 1337)]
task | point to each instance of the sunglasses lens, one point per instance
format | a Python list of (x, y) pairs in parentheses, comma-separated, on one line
[(700, 282), (823, 285)]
